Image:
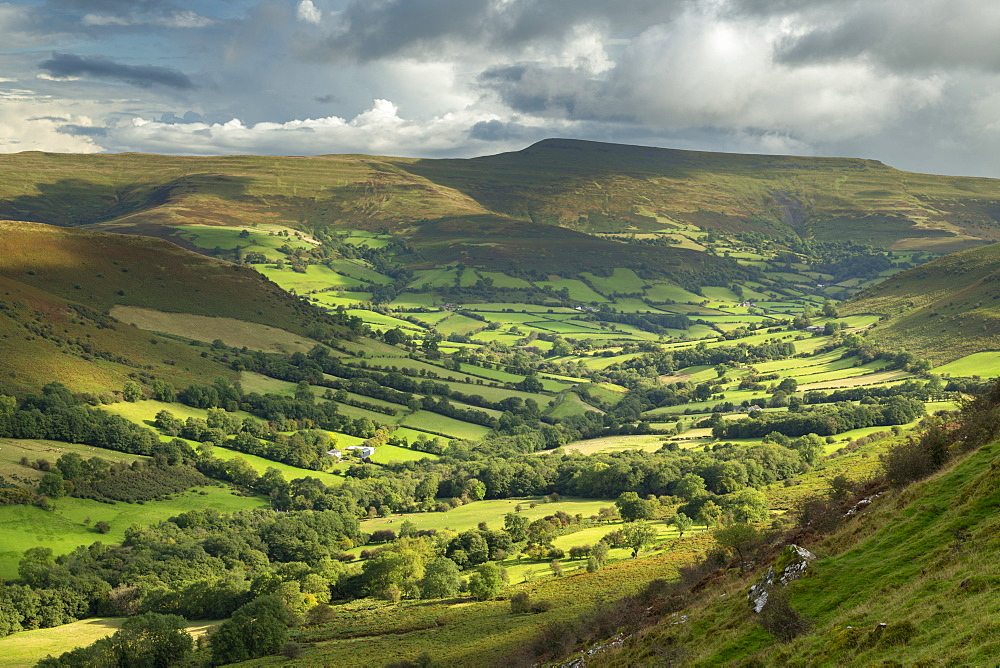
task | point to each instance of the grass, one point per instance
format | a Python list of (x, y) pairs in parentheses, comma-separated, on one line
[(470, 515), (28, 647), (316, 277), (647, 443), (898, 563), (571, 404), (462, 632), (232, 332), (984, 365), (621, 281), (442, 424), (386, 454)]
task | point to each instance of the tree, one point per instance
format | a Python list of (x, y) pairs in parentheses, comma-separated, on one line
[(487, 581), (709, 513), (132, 391), (441, 579), (102, 527), (749, 505), (682, 523), (632, 508), (530, 384), (690, 486), (516, 525), (258, 628), (152, 640), (52, 485), (637, 536), (739, 538)]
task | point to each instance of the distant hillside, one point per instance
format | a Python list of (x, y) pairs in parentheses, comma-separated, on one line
[(598, 187), (942, 310), (58, 285), (586, 186), (104, 270)]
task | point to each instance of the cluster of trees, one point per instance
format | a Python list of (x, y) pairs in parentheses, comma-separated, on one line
[(668, 362), (200, 565), (108, 482), (150, 639), (657, 323), (824, 420), (57, 415)]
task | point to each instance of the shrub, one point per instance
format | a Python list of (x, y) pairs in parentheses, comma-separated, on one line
[(779, 618), (898, 633), (291, 650), (520, 603), (320, 614), (541, 606)]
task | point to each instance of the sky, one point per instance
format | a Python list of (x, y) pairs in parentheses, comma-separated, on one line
[(913, 83)]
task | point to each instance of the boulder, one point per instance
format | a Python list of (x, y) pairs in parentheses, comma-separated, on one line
[(791, 564)]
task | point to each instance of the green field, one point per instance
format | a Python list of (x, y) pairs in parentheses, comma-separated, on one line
[(470, 515), (232, 332), (65, 528), (442, 424), (28, 647), (316, 277), (984, 365)]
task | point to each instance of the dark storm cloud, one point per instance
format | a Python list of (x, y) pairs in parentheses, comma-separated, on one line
[(848, 39), (496, 130), (82, 130), (935, 35), (64, 65), (371, 30), (556, 92)]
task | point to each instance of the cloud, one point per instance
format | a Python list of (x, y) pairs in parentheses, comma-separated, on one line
[(67, 65), (32, 122), (496, 130), (372, 30), (378, 130), (920, 35), (82, 130), (308, 12), (705, 71), (184, 19)]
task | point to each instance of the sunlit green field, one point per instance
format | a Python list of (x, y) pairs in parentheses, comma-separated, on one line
[(28, 647), (71, 523)]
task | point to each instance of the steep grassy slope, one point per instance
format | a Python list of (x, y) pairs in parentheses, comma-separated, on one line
[(45, 338), (921, 561), (942, 310), (592, 187)]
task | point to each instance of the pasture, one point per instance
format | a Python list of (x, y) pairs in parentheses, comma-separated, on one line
[(232, 332), (28, 647), (70, 525)]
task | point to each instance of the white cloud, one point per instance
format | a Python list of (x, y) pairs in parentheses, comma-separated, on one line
[(377, 130), (31, 123), (723, 74), (308, 12)]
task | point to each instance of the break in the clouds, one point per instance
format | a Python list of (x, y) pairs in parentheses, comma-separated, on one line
[(910, 83)]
